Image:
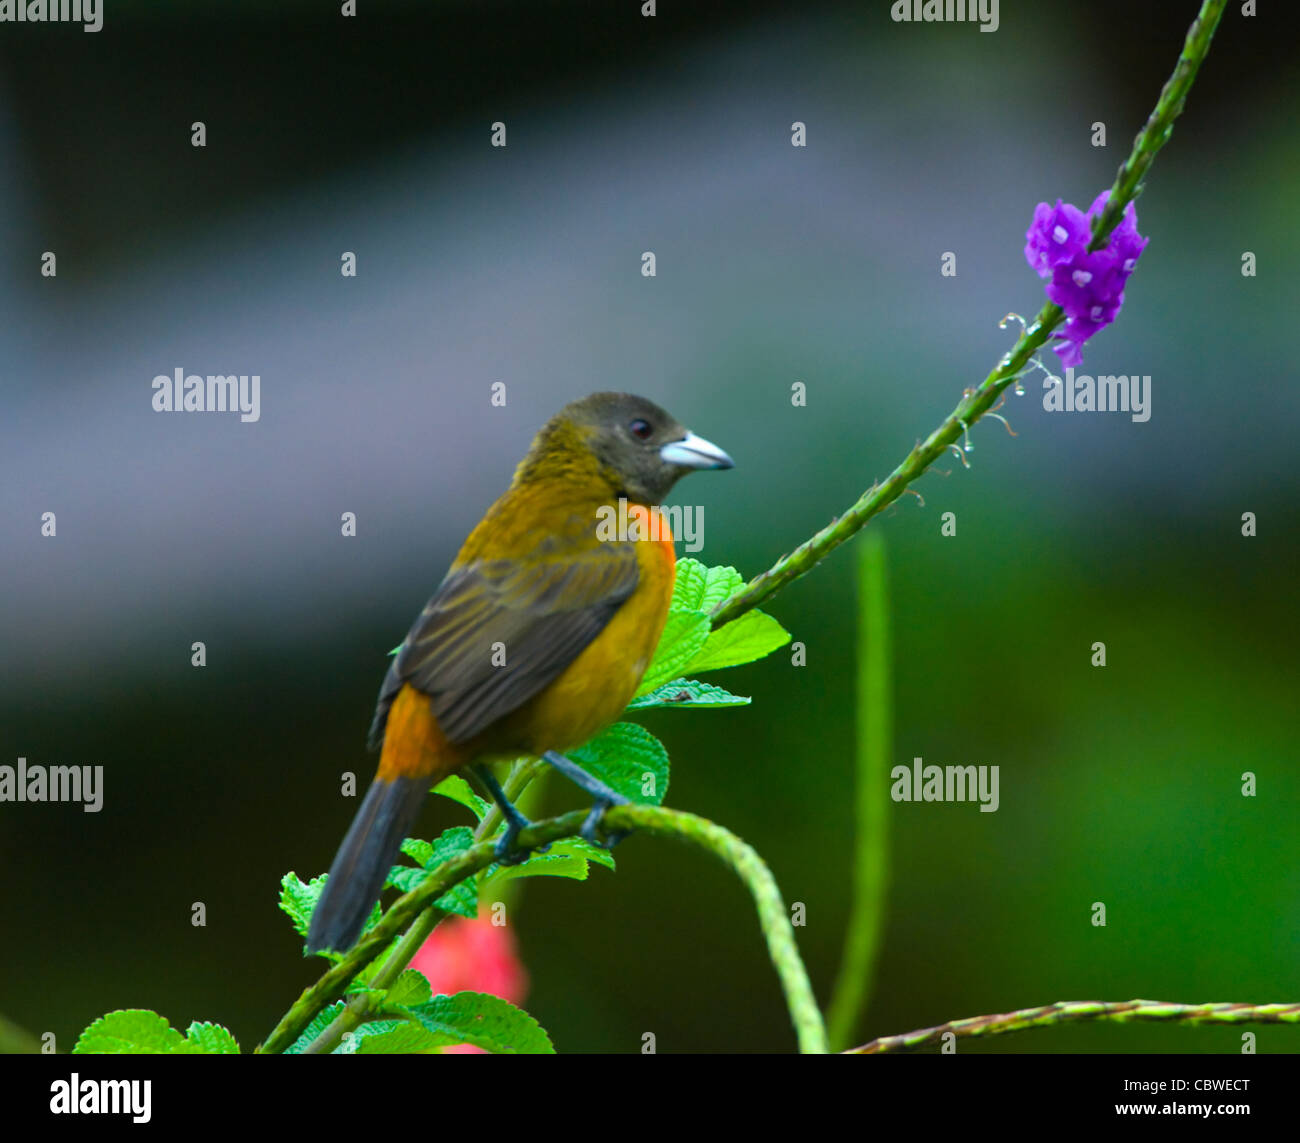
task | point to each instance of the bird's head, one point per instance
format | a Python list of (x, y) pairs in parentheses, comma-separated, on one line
[(640, 448)]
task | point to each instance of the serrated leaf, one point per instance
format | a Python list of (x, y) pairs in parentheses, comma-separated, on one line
[(298, 899), (129, 1031), (412, 987), (584, 849), (461, 899), (543, 865), (482, 1020), (687, 693), (404, 878), (324, 1018), (570, 847), (627, 757), (683, 637), (700, 588), (750, 637), (210, 1040), (459, 790), (417, 849), (394, 1038)]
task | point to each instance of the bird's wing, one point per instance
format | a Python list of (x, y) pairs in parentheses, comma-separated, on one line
[(536, 614)]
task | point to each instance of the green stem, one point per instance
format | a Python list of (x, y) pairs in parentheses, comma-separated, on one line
[(521, 774), (772, 915), (871, 844), (402, 913), (653, 820), (365, 1005), (978, 401), (1069, 1012)]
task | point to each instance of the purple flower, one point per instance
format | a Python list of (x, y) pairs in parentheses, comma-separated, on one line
[(1055, 236), (1089, 287)]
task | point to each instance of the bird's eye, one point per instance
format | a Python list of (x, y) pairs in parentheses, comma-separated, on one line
[(640, 429)]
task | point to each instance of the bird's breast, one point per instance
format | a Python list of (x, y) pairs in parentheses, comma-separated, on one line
[(593, 690)]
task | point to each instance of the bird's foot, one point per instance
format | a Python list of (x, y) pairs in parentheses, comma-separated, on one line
[(594, 819), (604, 795), (508, 850)]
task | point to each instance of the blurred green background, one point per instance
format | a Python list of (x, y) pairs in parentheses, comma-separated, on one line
[(775, 265)]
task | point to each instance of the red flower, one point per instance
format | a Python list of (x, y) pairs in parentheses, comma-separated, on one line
[(472, 956)]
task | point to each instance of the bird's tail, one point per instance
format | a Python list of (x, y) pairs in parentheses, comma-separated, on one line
[(363, 861)]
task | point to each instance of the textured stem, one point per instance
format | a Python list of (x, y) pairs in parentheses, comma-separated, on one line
[(650, 819), (1071, 1011), (772, 916), (365, 1005), (976, 402), (402, 912)]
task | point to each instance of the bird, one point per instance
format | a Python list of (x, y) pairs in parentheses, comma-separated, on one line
[(535, 640)]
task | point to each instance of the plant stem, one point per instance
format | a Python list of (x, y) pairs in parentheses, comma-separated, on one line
[(364, 1005), (976, 402), (772, 914), (401, 913), (654, 820), (1067, 1012), (871, 843)]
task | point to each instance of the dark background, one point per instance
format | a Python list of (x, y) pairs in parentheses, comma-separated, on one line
[(775, 264)]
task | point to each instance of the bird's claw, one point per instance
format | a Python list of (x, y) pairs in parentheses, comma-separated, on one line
[(588, 832), (508, 853)]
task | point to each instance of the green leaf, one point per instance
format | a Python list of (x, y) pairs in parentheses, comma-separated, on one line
[(394, 1038), (129, 1031), (482, 1020), (461, 899), (412, 987), (210, 1040), (701, 588), (628, 758), (323, 1020), (543, 865), (683, 636), (586, 850), (561, 861), (298, 899), (687, 693), (418, 850), (459, 790), (750, 637), (137, 1032)]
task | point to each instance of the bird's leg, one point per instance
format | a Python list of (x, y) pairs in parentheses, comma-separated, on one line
[(605, 797), (507, 853)]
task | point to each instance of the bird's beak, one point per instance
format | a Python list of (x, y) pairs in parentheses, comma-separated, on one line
[(695, 452)]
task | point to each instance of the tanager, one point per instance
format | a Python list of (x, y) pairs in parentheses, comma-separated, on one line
[(535, 640)]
